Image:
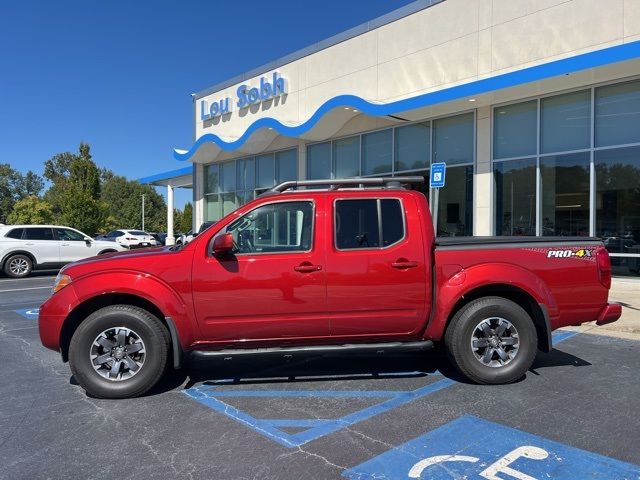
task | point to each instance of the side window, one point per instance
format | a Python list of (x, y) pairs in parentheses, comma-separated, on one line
[(276, 227), (368, 223), (38, 233), (69, 235), (15, 233)]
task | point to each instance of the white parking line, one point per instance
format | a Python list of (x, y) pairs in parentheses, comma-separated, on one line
[(22, 289)]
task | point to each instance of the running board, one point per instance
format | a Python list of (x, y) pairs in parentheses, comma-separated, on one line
[(378, 348)]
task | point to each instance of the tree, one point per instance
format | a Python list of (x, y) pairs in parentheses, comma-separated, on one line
[(14, 186), (31, 210), (124, 200), (184, 222)]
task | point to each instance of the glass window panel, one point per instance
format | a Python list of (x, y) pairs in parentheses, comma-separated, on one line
[(455, 203), (412, 146), (618, 202), (228, 176), (453, 139), (266, 171), (346, 157), (38, 234), (319, 161), (618, 114), (212, 208), (515, 130), (287, 165), (565, 122), (71, 235), (565, 194), (392, 221), (229, 203), (212, 175), (377, 152), (515, 182), (276, 227), (246, 173), (356, 224)]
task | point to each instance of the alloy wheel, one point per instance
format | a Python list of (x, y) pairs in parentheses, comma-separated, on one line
[(495, 342), (117, 353)]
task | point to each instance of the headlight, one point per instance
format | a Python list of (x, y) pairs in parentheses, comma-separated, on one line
[(61, 281)]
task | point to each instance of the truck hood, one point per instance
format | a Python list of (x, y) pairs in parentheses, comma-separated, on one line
[(124, 259)]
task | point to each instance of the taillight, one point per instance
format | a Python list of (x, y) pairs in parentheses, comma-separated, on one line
[(604, 266)]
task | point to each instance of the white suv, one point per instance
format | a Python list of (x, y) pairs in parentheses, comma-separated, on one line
[(27, 247)]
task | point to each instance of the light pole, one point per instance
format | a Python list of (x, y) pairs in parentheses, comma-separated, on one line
[(143, 212)]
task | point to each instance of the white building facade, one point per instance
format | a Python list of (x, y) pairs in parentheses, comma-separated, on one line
[(534, 106)]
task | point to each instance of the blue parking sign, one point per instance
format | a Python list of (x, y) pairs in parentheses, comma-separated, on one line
[(437, 177), (473, 448)]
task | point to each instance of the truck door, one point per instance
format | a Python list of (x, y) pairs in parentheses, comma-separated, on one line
[(377, 278), (273, 286)]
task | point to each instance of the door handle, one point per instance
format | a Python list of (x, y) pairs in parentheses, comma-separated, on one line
[(65, 244), (402, 264), (307, 267), (30, 244)]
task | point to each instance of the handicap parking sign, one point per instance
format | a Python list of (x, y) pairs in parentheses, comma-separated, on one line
[(438, 172), (473, 448), (28, 313)]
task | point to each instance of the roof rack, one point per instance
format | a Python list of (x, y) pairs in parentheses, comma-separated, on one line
[(334, 184)]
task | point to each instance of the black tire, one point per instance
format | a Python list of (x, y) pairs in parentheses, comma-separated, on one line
[(18, 266), (151, 332), (465, 337)]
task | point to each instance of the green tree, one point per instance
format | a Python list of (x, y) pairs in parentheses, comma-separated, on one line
[(124, 200), (14, 186), (31, 210), (184, 221)]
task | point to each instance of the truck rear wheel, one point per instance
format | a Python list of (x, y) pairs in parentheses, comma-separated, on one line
[(492, 340), (119, 351)]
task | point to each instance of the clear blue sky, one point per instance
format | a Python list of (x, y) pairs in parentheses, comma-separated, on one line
[(118, 74)]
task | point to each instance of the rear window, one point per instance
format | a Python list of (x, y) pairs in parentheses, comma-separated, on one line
[(15, 233), (368, 223), (38, 234), (138, 232)]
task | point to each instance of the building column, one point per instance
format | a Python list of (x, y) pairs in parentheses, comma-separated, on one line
[(483, 178), (170, 238)]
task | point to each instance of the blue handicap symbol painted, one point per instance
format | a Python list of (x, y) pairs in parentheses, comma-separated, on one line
[(473, 448), (28, 313), (213, 397)]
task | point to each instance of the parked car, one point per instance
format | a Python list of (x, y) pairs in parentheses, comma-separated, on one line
[(161, 238), (131, 238), (24, 248), (336, 270), (185, 238)]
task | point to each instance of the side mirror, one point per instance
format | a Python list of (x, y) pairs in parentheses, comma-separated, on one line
[(87, 240), (223, 244)]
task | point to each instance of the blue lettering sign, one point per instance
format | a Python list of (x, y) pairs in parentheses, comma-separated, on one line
[(215, 109), (267, 90)]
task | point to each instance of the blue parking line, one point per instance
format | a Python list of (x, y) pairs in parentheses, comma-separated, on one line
[(317, 427), (28, 313), (562, 335)]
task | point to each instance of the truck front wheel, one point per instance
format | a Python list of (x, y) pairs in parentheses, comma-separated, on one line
[(119, 351), (492, 340)]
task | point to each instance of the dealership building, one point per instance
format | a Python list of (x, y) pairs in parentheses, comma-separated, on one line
[(534, 106)]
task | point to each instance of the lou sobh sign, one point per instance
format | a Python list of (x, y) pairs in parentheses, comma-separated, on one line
[(246, 95)]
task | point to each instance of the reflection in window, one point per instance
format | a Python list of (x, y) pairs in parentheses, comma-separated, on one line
[(276, 227), (212, 211), (212, 175), (453, 139), (455, 203), (246, 174), (265, 173), (346, 157), (514, 130), (377, 152), (515, 183), (565, 122), (228, 176), (287, 165), (618, 114), (618, 199), (319, 161), (412, 147), (565, 194)]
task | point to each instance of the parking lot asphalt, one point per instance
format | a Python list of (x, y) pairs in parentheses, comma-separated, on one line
[(575, 415)]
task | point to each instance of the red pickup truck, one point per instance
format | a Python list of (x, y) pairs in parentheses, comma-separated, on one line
[(302, 269)]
